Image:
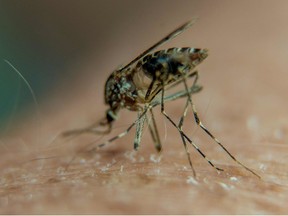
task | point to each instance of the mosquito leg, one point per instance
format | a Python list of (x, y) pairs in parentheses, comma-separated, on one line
[(149, 90), (180, 125), (94, 149), (110, 140), (177, 95), (90, 129), (188, 155), (154, 133), (139, 130), (184, 135), (184, 93), (121, 134), (181, 122), (150, 95), (187, 149), (199, 123), (188, 93), (193, 90), (195, 73)]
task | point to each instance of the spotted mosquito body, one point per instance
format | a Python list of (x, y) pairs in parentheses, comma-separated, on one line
[(124, 89), (141, 85)]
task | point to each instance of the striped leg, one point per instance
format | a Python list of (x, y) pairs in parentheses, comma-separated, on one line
[(191, 75), (183, 135), (188, 94), (140, 116), (154, 132), (180, 125), (177, 95), (94, 128), (139, 129), (199, 123), (152, 128), (150, 95)]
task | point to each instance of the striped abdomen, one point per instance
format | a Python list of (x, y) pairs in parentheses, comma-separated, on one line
[(167, 65)]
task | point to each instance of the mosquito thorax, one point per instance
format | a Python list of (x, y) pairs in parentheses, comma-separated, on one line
[(120, 91)]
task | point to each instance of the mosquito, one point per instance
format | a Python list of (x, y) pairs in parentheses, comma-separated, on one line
[(141, 85)]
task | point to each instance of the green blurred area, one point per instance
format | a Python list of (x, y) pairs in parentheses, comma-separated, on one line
[(44, 40), (18, 46), (38, 38)]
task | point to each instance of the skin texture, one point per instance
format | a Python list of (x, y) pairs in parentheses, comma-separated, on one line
[(243, 103)]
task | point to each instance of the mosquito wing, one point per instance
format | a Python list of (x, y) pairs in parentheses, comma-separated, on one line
[(170, 36)]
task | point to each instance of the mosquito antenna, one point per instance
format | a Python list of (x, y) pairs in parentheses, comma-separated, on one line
[(170, 36), (91, 129)]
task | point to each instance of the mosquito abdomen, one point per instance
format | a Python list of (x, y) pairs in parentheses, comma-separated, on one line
[(172, 61)]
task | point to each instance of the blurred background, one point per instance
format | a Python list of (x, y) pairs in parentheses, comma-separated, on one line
[(67, 48)]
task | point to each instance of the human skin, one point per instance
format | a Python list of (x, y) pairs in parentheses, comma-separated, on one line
[(243, 103)]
